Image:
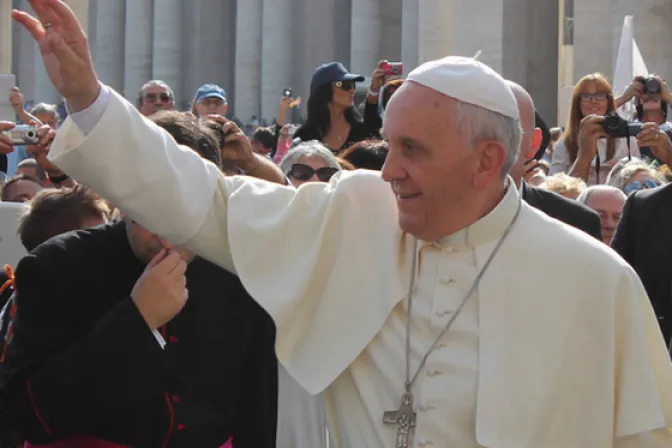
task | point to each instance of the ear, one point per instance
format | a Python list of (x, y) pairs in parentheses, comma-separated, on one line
[(491, 155), (534, 144)]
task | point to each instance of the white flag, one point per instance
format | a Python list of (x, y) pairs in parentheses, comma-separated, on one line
[(629, 63)]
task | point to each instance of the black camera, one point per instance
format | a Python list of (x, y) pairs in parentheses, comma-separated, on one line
[(617, 127), (651, 85)]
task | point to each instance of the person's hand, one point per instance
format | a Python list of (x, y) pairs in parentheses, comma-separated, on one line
[(237, 147), (286, 102), (161, 291), (16, 99), (665, 93), (530, 169), (65, 51), (635, 89), (590, 130), (6, 145), (651, 136), (40, 151), (378, 77)]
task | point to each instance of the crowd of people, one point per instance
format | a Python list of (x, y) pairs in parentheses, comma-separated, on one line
[(368, 277)]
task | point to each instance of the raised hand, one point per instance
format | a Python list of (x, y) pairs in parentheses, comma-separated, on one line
[(161, 291), (65, 50), (237, 146), (6, 145)]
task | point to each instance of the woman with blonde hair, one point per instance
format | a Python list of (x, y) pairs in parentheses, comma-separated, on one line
[(585, 150), (635, 175)]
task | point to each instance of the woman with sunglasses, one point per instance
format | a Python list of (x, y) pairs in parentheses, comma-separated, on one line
[(333, 118), (309, 162)]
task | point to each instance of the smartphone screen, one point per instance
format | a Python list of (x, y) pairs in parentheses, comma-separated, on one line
[(7, 81)]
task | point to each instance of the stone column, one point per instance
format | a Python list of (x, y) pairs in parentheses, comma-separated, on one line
[(365, 35), (391, 32), (6, 36), (410, 34), (434, 28), (108, 51), (167, 47), (276, 53), (248, 60), (138, 46), (24, 59), (209, 37), (532, 63)]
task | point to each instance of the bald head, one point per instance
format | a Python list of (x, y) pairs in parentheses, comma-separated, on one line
[(531, 139), (525, 106)]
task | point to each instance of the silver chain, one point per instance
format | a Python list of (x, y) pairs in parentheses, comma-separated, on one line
[(410, 382)]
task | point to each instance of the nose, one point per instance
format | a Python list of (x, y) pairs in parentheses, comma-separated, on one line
[(392, 169)]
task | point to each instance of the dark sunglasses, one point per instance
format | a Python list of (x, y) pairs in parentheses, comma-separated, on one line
[(346, 85), (302, 172), (163, 96)]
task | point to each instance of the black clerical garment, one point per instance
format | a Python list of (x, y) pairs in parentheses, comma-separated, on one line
[(83, 361), (563, 209)]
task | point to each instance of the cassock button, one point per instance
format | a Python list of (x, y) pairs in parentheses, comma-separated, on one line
[(173, 340), (448, 250), (422, 442), (176, 399), (441, 313), (446, 279), (181, 427), (431, 372)]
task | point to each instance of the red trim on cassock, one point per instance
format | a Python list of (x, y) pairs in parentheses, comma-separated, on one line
[(172, 421), (37, 412)]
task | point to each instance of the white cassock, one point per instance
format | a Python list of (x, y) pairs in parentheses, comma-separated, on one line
[(564, 353)]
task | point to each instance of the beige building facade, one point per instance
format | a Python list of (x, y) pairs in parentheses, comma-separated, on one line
[(256, 48)]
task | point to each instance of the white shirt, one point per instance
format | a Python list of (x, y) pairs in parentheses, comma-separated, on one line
[(560, 163), (562, 362)]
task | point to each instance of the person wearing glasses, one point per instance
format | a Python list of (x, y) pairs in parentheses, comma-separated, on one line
[(154, 96), (333, 118), (309, 162), (584, 138), (635, 175)]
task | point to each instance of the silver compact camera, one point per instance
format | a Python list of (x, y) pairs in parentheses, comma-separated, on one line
[(23, 135)]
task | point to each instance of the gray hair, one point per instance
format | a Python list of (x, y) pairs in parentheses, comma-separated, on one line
[(621, 177), (154, 83), (312, 148), (584, 197), (478, 124), (44, 108)]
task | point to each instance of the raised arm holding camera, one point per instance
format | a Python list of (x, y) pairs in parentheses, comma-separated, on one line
[(596, 138)]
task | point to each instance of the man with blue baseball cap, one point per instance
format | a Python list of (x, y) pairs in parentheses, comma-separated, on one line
[(210, 99)]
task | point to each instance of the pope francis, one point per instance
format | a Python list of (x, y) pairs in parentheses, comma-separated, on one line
[(415, 301)]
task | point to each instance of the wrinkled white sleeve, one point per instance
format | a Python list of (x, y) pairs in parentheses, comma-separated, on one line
[(324, 260), (643, 373)]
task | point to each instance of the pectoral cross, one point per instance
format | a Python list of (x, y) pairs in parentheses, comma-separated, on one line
[(404, 418)]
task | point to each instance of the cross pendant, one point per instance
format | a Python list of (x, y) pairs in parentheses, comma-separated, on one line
[(404, 418)]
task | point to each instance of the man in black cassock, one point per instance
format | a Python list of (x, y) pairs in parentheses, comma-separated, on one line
[(85, 365)]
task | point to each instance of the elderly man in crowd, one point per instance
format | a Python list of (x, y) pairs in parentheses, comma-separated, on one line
[(430, 331), (608, 202)]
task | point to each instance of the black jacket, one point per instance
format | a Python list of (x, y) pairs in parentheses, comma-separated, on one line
[(83, 361), (566, 210), (644, 239)]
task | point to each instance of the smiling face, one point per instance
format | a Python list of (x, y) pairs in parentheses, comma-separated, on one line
[(594, 101), (434, 173)]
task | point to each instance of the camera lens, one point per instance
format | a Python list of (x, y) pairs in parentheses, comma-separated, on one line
[(652, 86)]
